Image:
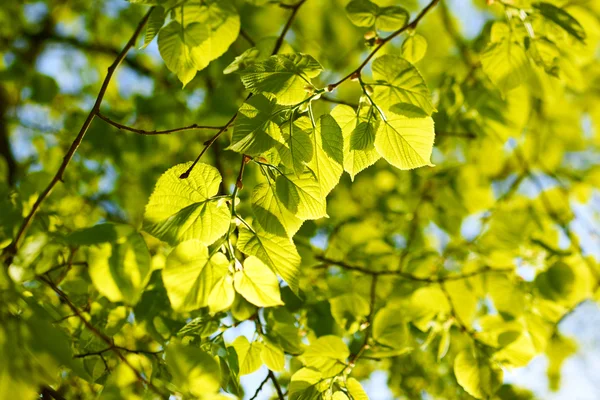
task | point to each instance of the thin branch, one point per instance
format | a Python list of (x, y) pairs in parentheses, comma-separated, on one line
[(365, 345), (248, 38), (106, 339), (155, 132), (287, 26), (328, 262), (276, 384), (259, 388), (338, 101), (113, 347), (10, 251), (382, 42)]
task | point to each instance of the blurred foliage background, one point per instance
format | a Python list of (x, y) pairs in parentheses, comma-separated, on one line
[(514, 191)]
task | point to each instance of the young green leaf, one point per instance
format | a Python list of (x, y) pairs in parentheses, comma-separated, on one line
[(561, 18), (256, 128), (298, 149), (192, 370), (155, 22), (283, 76), (477, 375), (356, 160), (248, 354), (277, 252), (506, 64), (257, 283), (399, 82), (190, 274), (301, 195), (179, 47), (406, 143), (327, 162), (222, 295), (414, 48), (272, 356), (270, 212), (326, 354), (182, 209), (121, 270)]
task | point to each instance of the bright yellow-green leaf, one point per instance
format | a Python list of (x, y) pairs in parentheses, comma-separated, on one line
[(192, 370), (326, 354), (272, 356), (284, 76), (190, 275), (222, 295), (506, 64), (270, 212), (414, 48), (182, 209), (356, 159), (406, 143), (248, 354), (398, 82), (278, 253), (121, 270), (328, 159), (477, 375), (258, 283), (302, 195)]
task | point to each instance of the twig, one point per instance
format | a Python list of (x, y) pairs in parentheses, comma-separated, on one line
[(155, 132), (276, 384), (259, 388), (287, 26), (338, 101), (365, 345), (382, 42), (405, 275), (10, 251), (101, 335), (245, 35)]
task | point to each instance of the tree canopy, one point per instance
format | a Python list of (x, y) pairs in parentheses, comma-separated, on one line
[(192, 191)]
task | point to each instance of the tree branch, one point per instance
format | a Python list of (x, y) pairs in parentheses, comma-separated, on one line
[(155, 132), (382, 42), (100, 335), (276, 384), (10, 251), (405, 275)]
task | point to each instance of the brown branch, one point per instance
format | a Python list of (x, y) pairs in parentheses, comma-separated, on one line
[(276, 384), (106, 339), (10, 251), (155, 132), (405, 275), (248, 38), (287, 26), (365, 346), (259, 388), (382, 42), (338, 101)]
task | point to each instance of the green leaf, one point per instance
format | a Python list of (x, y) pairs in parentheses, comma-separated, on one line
[(399, 82), (349, 310), (278, 253), (391, 18), (327, 354), (257, 283), (356, 390), (362, 12), (121, 270), (339, 395), (190, 274), (155, 22), (256, 127), (270, 212), (391, 330), (179, 47), (248, 355), (302, 195), (356, 130), (328, 159), (406, 143), (284, 76), (366, 13), (222, 295), (298, 149), (272, 356), (561, 18), (506, 64), (557, 282), (183, 209), (414, 48), (477, 375), (304, 385), (192, 370), (222, 21)]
